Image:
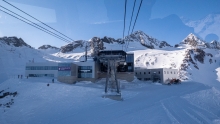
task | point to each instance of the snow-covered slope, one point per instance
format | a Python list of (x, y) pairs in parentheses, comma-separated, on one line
[(15, 54)]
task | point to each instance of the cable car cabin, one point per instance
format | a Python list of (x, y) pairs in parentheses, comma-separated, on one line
[(119, 56)]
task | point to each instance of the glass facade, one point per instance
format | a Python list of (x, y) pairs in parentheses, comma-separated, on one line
[(84, 71), (130, 58), (64, 69), (41, 68), (130, 62)]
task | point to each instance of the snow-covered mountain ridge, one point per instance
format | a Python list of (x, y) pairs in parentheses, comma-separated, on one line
[(139, 38), (194, 42)]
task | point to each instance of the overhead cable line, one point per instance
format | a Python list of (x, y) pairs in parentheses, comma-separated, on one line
[(38, 20), (124, 21), (131, 16), (130, 23), (30, 24), (137, 16), (36, 25), (135, 20)]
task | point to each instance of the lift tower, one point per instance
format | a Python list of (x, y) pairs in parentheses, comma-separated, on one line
[(111, 60)]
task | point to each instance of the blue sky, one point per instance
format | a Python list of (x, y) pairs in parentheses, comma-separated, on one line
[(84, 19)]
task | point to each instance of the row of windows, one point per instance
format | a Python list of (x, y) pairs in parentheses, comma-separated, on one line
[(41, 75), (84, 67), (149, 72), (41, 68), (165, 72)]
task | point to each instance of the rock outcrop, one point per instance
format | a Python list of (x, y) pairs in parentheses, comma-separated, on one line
[(14, 41)]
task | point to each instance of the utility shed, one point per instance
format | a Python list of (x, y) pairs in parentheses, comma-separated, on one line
[(162, 75)]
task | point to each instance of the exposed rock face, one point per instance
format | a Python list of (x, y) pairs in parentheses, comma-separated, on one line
[(214, 45), (199, 55), (96, 44), (71, 46), (17, 42), (194, 41), (187, 60), (146, 40), (164, 44), (48, 47), (111, 40)]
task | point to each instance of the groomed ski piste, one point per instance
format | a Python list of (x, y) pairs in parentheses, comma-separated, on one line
[(194, 101)]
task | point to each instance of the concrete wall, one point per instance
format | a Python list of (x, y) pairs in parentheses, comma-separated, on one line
[(67, 79), (128, 76), (170, 74), (70, 79), (163, 73), (149, 74)]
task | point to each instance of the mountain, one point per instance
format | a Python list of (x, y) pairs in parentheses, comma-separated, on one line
[(44, 47), (146, 40), (136, 41), (193, 41), (214, 45), (14, 41), (73, 46)]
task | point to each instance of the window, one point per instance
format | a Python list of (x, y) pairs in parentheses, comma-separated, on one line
[(136, 73), (159, 72), (148, 72), (85, 72), (144, 72), (170, 72), (146, 79), (140, 72)]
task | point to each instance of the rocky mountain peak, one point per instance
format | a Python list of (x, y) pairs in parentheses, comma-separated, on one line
[(71, 46), (48, 47), (14, 41), (214, 44), (146, 40), (194, 41)]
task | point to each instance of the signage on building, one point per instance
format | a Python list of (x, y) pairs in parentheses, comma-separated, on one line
[(64, 68)]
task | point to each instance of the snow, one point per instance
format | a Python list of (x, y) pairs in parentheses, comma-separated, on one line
[(193, 101)]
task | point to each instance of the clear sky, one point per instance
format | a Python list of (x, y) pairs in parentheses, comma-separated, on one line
[(84, 19)]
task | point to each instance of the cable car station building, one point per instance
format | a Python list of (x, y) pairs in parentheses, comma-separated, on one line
[(83, 71)]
